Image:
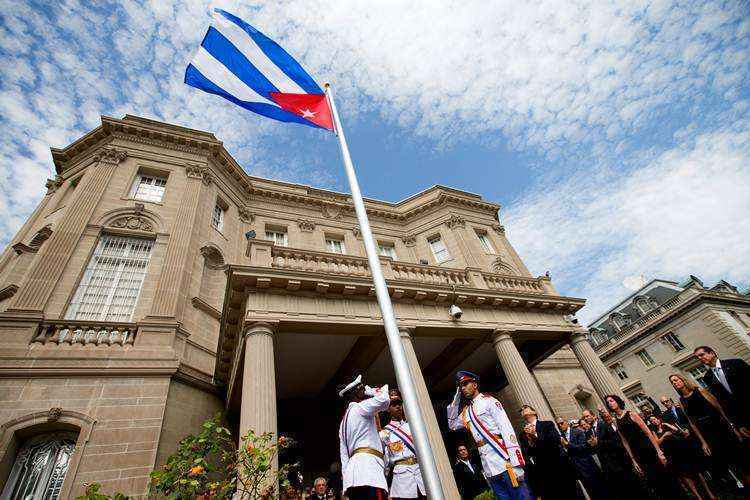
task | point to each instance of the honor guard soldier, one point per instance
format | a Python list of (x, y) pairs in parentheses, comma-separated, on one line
[(402, 454), (362, 456), (486, 421)]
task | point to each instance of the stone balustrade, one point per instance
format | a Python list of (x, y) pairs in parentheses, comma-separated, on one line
[(504, 282), (432, 275), (319, 262), (636, 325), (66, 332)]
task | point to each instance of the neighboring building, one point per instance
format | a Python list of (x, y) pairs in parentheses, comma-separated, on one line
[(157, 283), (653, 332)]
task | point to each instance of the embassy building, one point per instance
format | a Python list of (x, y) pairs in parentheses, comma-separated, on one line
[(157, 283)]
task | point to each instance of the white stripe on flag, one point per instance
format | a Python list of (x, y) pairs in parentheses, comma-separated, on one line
[(245, 44), (225, 79)]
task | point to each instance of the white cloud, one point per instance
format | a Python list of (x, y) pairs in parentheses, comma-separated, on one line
[(682, 212)]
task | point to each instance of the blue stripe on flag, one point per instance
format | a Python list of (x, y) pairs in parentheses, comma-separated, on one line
[(235, 61), (195, 78), (279, 56)]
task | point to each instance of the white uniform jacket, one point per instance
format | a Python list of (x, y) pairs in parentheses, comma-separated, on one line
[(407, 479), (358, 430), (492, 416)]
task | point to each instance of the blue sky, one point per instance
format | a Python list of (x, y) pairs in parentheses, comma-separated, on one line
[(614, 134)]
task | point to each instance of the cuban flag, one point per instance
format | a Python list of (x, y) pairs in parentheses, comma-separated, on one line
[(241, 64)]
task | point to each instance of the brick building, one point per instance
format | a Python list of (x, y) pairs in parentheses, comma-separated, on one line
[(158, 283)]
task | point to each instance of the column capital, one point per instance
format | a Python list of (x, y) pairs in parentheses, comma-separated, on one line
[(259, 328), (110, 155), (406, 332), (499, 335), (577, 337), (194, 171)]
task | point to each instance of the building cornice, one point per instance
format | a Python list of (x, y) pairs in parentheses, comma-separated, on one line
[(332, 204)]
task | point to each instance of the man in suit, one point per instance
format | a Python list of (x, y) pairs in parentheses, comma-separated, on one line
[(468, 473), (581, 451), (550, 473), (729, 381), (673, 414)]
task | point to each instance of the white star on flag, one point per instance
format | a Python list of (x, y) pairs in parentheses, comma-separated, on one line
[(306, 113)]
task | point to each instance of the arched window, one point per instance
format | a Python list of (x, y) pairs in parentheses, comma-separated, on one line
[(643, 304), (213, 278), (619, 320), (40, 467)]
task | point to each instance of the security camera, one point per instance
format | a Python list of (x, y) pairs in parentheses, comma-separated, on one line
[(571, 318), (455, 311)]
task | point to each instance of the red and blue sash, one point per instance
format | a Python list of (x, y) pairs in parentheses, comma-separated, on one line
[(403, 437), (496, 444)]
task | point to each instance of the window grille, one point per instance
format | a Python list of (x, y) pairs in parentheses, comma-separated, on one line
[(697, 373), (217, 219), (439, 250), (673, 341), (112, 281), (335, 246), (620, 371), (387, 250), (486, 243), (645, 358), (278, 237), (149, 188), (40, 467)]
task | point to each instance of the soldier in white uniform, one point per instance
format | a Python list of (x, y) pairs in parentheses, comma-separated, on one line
[(362, 456), (402, 453), (484, 418)]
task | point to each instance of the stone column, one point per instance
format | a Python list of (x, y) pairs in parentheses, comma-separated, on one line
[(258, 405), (54, 254), (442, 460), (457, 224), (175, 268), (599, 375), (519, 377)]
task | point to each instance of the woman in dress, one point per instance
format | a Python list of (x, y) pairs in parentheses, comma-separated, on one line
[(643, 449), (710, 424), (684, 459)]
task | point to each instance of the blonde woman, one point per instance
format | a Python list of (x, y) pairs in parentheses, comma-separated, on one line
[(710, 425)]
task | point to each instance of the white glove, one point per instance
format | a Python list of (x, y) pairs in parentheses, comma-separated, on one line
[(457, 397), (369, 391)]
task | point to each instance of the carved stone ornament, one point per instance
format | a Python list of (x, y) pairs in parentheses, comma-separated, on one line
[(198, 172), (357, 232), (501, 267), (132, 222), (498, 228), (110, 155), (53, 184), (213, 257), (245, 215), (306, 225), (409, 241), (332, 210), (455, 221), (54, 414)]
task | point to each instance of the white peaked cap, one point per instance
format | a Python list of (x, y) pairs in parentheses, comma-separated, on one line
[(354, 383)]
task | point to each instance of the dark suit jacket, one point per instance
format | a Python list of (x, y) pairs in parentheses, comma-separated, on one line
[(470, 484), (582, 454), (549, 471), (737, 372), (676, 416)]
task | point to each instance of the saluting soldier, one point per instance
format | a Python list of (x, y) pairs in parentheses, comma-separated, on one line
[(362, 457), (402, 454), (486, 421)]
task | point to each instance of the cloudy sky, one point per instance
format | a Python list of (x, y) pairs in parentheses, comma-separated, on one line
[(615, 135)]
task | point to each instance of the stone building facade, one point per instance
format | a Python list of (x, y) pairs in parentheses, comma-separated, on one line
[(652, 334), (158, 283)]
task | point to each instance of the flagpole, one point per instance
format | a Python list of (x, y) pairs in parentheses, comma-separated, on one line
[(400, 365)]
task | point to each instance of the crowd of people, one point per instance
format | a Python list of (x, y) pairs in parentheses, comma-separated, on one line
[(693, 447)]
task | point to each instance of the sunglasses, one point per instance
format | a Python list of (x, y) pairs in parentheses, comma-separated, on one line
[(396, 402)]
